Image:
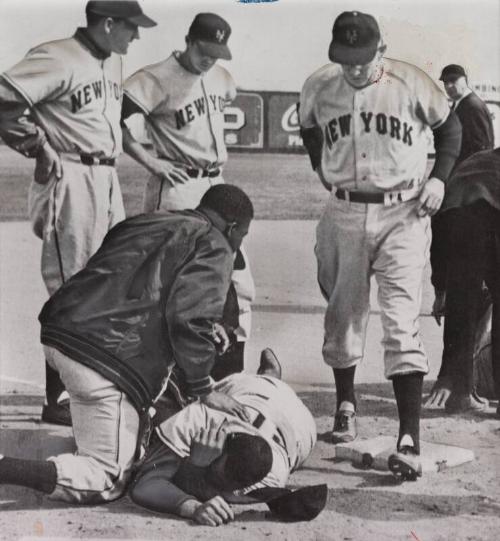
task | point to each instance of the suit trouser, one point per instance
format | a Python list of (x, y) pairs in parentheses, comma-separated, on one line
[(474, 258), (353, 242), (105, 428)]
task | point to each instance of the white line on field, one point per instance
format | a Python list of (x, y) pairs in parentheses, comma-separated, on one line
[(23, 381)]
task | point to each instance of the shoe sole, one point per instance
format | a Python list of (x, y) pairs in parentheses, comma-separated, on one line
[(402, 469)]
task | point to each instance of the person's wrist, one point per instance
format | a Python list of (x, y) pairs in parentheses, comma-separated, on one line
[(188, 508)]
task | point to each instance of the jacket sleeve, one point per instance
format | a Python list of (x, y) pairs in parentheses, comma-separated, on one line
[(17, 128), (195, 302)]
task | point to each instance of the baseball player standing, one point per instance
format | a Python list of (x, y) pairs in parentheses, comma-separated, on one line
[(182, 99), (364, 120), (73, 91)]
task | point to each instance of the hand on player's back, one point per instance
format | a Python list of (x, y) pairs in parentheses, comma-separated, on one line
[(166, 170), (223, 402)]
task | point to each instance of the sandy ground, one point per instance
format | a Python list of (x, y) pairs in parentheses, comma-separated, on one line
[(462, 503)]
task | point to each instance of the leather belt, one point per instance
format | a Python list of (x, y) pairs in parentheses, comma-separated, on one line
[(196, 173), (86, 159), (380, 198)]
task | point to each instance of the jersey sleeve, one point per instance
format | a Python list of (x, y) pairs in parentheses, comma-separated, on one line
[(231, 89), (144, 89), (432, 105), (42, 75), (307, 117)]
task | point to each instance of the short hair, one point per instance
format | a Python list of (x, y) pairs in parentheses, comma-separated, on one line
[(249, 459), (93, 18), (229, 201)]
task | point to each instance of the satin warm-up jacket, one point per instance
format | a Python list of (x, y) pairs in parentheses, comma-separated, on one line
[(145, 302)]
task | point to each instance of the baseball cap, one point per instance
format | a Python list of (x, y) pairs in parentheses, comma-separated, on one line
[(452, 72), (212, 33), (130, 10), (355, 38)]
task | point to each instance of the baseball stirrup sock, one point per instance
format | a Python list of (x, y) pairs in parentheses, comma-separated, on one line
[(40, 475), (344, 384), (408, 393)]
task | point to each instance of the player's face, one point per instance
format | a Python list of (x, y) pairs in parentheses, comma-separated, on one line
[(200, 62), (236, 234), (121, 34), (361, 75), (455, 88)]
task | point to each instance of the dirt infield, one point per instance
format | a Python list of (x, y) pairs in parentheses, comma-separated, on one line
[(456, 504)]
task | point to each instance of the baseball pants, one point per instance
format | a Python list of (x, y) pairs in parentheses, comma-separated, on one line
[(160, 195), (105, 428), (353, 242), (72, 216)]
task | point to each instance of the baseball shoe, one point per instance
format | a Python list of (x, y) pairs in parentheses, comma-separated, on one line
[(57, 414), (344, 426), (405, 464), (269, 364), (464, 403)]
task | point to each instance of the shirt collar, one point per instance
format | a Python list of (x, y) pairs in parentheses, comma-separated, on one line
[(82, 35), (465, 94)]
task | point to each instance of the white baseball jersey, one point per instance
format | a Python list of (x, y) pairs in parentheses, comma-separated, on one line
[(184, 111), (375, 138), (74, 96), (270, 397)]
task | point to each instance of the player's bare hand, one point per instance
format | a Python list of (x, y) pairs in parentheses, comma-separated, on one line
[(439, 305), (439, 395), (223, 402), (431, 197), (207, 444), (166, 170), (214, 512), (48, 163), (220, 338)]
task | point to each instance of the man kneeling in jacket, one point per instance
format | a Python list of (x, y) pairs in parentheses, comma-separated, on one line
[(146, 302)]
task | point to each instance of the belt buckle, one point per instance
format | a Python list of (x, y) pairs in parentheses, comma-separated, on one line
[(392, 198)]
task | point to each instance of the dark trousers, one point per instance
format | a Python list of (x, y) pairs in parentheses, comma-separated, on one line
[(474, 259)]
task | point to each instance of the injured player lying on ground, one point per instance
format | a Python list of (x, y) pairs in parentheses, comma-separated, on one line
[(201, 460)]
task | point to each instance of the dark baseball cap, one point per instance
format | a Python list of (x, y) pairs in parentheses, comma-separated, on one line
[(129, 10), (355, 38), (452, 72), (212, 33)]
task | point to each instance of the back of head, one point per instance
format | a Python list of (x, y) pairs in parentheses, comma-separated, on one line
[(249, 459), (229, 202)]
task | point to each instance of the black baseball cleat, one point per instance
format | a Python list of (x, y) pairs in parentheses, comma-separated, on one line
[(405, 464), (344, 427), (269, 364), (57, 414)]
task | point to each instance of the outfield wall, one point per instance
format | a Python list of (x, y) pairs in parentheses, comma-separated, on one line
[(267, 121)]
